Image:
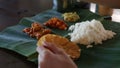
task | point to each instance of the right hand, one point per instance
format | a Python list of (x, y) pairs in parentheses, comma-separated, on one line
[(51, 56)]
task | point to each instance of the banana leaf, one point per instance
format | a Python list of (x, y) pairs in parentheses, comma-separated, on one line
[(106, 55)]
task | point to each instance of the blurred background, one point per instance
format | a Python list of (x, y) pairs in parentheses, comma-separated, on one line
[(115, 12), (11, 11)]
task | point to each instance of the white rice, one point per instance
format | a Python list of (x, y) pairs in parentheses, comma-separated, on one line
[(89, 32)]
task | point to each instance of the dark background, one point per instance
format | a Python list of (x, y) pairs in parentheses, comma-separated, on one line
[(11, 11)]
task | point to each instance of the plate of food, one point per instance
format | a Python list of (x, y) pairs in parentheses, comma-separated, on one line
[(98, 40)]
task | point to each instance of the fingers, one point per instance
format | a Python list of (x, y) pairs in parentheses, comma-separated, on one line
[(43, 51), (53, 48), (40, 49), (50, 48)]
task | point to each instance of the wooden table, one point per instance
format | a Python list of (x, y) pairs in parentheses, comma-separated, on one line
[(8, 60)]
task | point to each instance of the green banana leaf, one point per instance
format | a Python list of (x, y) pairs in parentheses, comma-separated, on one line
[(106, 55)]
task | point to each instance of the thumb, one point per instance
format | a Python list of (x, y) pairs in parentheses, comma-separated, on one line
[(53, 48)]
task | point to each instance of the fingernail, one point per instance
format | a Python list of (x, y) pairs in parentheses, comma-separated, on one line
[(45, 43), (40, 48)]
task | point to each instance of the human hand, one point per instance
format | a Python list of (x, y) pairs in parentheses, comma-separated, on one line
[(51, 56)]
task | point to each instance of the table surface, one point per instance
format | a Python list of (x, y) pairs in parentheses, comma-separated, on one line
[(8, 60)]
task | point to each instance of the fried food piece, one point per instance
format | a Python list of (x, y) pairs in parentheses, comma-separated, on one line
[(69, 47), (36, 30), (56, 23), (36, 26)]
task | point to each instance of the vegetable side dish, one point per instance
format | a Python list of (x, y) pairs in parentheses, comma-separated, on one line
[(56, 23), (71, 17)]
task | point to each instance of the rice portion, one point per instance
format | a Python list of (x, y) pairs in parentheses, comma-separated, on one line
[(89, 32)]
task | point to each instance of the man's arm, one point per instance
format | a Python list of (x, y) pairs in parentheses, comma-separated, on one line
[(109, 3)]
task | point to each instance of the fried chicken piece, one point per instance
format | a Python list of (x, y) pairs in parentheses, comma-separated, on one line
[(36, 26), (36, 30)]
